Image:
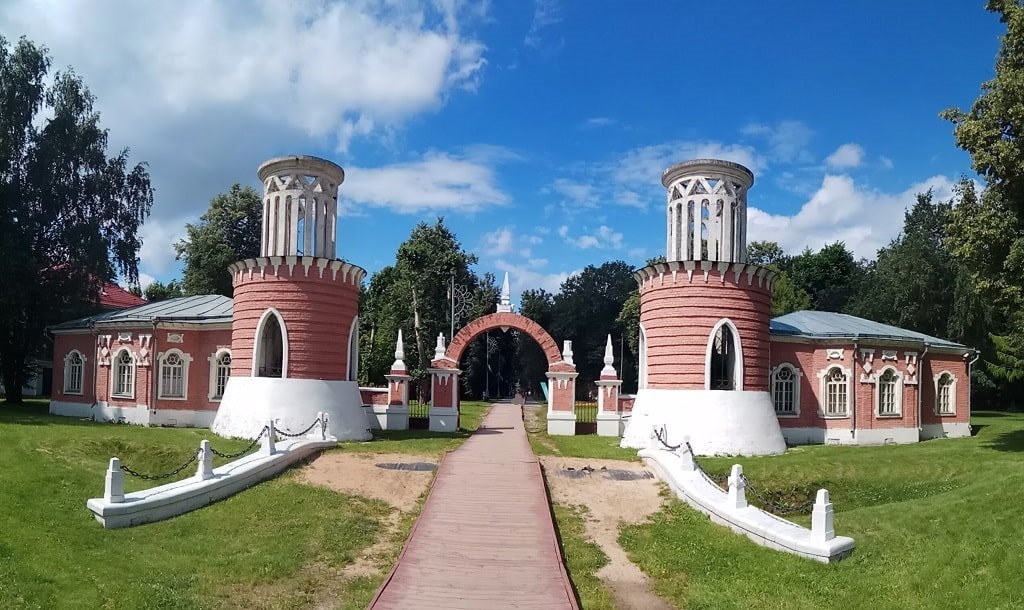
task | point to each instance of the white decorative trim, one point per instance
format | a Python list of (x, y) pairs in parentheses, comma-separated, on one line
[(868, 357), (186, 360), (212, 390), (352, 374), (175, 337), (271, 311), (642, 368), (823, 389), (124, 337), (911, 366), (797, 377), (952, 393), (889, 354), (114, 373), (898, 398), (834, 354), (738, 359), (81, 384)]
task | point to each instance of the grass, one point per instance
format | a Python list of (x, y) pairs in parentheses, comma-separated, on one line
[(582, 446), (937, 524), (583, 558), (279, 544), (423, 442)]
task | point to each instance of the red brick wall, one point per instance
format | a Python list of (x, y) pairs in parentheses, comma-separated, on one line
[(143, 374), (371, 397), (62, 346), (678, 317), (810, 360), (934, 365), (201, 345), (317, 314)]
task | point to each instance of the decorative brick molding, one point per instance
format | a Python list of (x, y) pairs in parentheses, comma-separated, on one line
[(503, 320), (295, 267), (689, 272)]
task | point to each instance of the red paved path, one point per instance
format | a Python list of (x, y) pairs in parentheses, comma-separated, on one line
[(485, 538)]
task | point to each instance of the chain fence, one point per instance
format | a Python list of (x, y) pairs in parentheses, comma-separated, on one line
[(229, 456), (772, 505)]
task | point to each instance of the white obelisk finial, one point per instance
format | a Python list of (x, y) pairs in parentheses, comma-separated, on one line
[(609, 359), (505, 305), (399, 364)]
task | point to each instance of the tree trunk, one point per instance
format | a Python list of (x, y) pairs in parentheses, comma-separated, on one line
[(12, 380), (417, 330)]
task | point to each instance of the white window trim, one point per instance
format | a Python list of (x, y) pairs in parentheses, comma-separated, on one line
[(642, 372), (256, 355), (353, 358), (81, 389), (738, 369), (212, 394), (823, 389), (115, 373), (877, 380), (797, 377), (952, 394), (186, 360)]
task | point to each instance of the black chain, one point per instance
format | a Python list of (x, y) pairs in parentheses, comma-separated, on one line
[(662, 436), (303, 433), (776, 507), (158, 477), (231, 456)]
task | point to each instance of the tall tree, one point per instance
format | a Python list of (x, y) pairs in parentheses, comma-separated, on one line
[(70, 215), (831, 276), (158, 291), (229, 231), (538, 305), (787, 296)]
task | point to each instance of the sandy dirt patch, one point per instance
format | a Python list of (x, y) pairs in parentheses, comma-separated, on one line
[(610, 504), (357, 474)]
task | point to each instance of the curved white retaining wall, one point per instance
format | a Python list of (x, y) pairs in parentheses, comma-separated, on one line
[(730, 509), (718, 422), (118, 509), (138, 415), (249, 402)]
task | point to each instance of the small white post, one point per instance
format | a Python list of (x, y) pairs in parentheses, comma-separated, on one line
[(268, 439), (737, 488), (686, 456), (822, 526), (323, 426), (204, 470), (113, 484)]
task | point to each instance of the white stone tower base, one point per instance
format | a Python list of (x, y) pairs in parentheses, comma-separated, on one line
[(718, 422), (249, 402)]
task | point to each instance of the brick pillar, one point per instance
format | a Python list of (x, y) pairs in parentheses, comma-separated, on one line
[(444, 399), (395, 415), (608, 416), (562, 392)]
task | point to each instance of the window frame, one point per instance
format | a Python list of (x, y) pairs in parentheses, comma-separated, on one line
[(81, 373), (214, 370), (952, 394), (115, 374), (897, 393), (186, 360), (823, 377), (257, 351), (737, 371), (796, 380)]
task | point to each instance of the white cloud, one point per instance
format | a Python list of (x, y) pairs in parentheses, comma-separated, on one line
[(787, 140), (522, 277), (847, 155), (841, 210), (437, 182), (156, 256), (145, 280), (499, 241), (604, 237), (537, 263), (204, 91), (533, 240), (599, 121), (581, 194), (886, 162), (546, 14)]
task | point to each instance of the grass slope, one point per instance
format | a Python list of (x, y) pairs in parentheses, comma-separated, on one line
[(582, 446), (937, 524), (424, 442)]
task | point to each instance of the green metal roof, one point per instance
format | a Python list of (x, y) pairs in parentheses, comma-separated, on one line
[(202, 309), (829, 325)]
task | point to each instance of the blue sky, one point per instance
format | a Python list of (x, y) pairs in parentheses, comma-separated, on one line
[(539, 130)]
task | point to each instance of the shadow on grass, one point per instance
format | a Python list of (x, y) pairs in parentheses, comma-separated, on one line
[(28, 414), (1008, 441)]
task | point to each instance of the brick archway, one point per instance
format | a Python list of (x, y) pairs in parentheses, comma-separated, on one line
[(503, 320), (445, 373)]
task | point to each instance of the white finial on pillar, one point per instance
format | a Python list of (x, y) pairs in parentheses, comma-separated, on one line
[(609, 359), (439, 349), (505, 305), (399, 364), (567, 352)]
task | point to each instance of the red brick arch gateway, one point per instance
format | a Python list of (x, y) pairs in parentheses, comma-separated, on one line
[(445, 369)]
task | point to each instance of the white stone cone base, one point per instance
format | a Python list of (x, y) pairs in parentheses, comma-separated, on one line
[(249, 402), (718, 422)]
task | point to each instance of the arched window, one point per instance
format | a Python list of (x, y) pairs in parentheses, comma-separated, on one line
[(786, 390), (124, 375), (271, 347), (945, 394), (642, 348), (724, 359), (889, 394), (173, 383), (837, 388), (220, 371), (74, 372), (353, 350)]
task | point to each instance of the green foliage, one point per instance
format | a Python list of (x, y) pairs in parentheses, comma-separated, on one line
[(538, 305), (228, 232), (830, 276), (583, 558), (69, 215), (161, 292), (767, 254)]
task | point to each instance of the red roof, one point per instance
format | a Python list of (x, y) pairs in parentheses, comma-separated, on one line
[(113, 296)]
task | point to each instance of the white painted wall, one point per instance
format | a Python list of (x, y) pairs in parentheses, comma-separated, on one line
[(139, 415), (945, 430), (249, 402), (718, 422)]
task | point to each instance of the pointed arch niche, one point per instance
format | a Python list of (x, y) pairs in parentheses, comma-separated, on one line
[(723, 361), (270, 354)]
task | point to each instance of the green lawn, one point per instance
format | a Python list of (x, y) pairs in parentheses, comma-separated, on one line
[(275, 545), (938, 524), (423, 442), (584, 446)]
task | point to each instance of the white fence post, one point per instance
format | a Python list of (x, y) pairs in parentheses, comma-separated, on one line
[(268, 440), (113, 484), (323, 425), (204, 470), (822, 518), (737, 488)]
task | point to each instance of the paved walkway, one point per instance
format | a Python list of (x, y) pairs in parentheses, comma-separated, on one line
[(485, 538)]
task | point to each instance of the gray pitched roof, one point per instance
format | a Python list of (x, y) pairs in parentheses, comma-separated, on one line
[(826, 325), (202, 309)]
